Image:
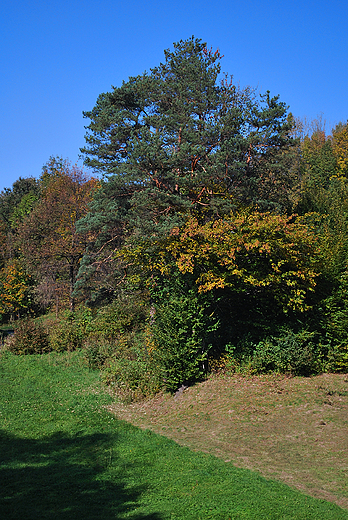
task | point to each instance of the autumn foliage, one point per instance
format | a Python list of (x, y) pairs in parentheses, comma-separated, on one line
[(48, 237), (217, 215), (255, 251), (14, 290)]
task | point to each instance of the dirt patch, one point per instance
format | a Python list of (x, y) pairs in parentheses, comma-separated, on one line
[(291, 429)]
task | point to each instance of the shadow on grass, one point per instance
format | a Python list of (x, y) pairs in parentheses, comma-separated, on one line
[(62, 478)]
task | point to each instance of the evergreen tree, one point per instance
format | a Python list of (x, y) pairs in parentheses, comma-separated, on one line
[(180, 140)]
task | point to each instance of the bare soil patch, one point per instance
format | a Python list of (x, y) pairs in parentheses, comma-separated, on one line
[(291, 429)]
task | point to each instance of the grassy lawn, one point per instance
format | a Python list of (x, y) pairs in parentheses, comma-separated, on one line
[(64, 456)]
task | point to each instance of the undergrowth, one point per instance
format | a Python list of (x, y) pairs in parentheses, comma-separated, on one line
[(142, 350)]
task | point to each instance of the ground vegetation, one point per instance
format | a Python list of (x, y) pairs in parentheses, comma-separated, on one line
[(217, 229)]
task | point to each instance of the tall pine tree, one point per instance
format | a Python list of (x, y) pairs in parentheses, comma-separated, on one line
[(183, 139)]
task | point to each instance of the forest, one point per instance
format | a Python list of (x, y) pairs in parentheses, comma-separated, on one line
[(211, 234)]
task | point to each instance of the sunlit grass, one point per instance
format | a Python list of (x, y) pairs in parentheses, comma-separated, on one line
[(63, 456)]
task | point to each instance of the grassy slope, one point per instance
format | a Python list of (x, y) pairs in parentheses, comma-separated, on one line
[(290, 429), (63, 456)]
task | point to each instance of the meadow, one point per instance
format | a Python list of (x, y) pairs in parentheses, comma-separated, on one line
[(64, 455)]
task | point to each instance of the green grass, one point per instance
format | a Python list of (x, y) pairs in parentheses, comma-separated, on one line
[(63, 456)]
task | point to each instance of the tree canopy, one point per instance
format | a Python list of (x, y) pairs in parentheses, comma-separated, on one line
[(183, 140), (183, 137), (48, 236)]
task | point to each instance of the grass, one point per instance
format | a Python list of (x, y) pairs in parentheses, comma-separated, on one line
[(290, 429), (64, 456)]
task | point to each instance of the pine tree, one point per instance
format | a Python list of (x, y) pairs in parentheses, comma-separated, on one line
[(183, 139)]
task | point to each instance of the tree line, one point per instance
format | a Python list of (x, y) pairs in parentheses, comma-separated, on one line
[(212, 231)]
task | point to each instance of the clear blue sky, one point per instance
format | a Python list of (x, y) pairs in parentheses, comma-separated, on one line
[(56, 57)]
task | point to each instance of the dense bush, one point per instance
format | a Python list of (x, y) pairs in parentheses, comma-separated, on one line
[(181, 332), (338, 358), (65, 336), (97, 350), (132, 379), (127, 365), (293, 353), (29, 337), (118, 343), (128, 313), (68, 331)]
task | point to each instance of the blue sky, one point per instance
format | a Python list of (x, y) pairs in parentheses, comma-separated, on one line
[(56, 57)]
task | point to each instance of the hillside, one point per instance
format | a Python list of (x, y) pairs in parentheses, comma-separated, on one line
[(290, 429)]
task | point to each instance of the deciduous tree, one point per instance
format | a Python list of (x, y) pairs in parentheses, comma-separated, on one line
[(340, 148), (48, 238), (15, 296)]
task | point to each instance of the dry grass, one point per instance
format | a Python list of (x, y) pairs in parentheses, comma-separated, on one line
[(290, 429)]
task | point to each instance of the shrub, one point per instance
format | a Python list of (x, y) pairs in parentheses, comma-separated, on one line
[(181, 333), (338, 358), (97, 351), (293, 353), (125, 315), (29, 337), (131, 379), (130, 370), (65, 336)]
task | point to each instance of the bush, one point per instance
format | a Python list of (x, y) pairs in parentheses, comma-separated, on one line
[(131, 379), (97, 351), (181, 333), (128, 367), (125, 315), (29, 337), (117, 345), (293, 353), (338, 358), (65, 336)]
